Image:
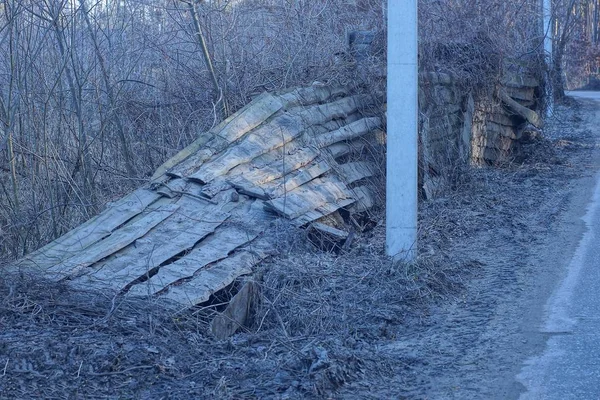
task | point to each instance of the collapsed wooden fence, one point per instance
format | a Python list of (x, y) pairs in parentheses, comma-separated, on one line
[(203, 220)]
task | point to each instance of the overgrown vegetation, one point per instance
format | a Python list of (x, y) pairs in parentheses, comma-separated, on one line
[(95, 95)]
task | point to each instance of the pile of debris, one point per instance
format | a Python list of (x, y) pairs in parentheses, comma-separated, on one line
[(204, 219)]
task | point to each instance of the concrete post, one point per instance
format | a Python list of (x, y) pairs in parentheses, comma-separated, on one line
[(402, 113), (548, 45)]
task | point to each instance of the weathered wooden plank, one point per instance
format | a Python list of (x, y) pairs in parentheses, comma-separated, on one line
[(251, 177), (330, 231), (364, 199), (281, 130), (308, 197), (193, 147), (237, 313), (239, 124), (210, 280), (245, 224), (296, 179), (523, 111), (295, 153), (192, 163), (277, 169), (193, 221), (341, 108), (213, 248), (355, 171), (91, 231), (322, 211), (350, 131), (249, 189), (116, 241), (249, 117), (216, 186)]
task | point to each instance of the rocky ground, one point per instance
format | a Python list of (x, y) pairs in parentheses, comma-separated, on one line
[(455, 325)]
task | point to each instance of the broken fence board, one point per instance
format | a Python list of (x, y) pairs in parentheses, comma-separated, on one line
[(364, 199), (298, 178), (330, 231), (91, 231), (196, 145), (233, 128), (208, 281), (341, 149), (213, 248), (322, 211), (281, 130), (310, 196), (350, 131), (193, 221), (243, 227), (249, 117), (277, 169), (116, 241), (342, 108), (236, 314), (172, 188), (355, 171)]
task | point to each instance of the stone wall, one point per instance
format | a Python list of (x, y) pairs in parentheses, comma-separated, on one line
[(460, 125), (501, 118), (445, 121)]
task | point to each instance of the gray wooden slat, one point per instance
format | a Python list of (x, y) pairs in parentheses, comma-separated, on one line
[(91, 231), (311, 95), (350, 131), (212, 249), (281, 130), (341, 149), (354, 171), (235, 127), (307, 197), (217, 184), (193, 221), (245, 224), (321, 212), (296, 179), (212, 279), (364, 199), (193, 147), (172, 189), (330, 231), (249, 117), (275, 170), (341, 108), (116, 241)]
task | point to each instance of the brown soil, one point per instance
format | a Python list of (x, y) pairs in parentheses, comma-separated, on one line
[(456, 324)]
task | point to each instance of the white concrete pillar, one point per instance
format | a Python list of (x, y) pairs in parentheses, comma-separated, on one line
[(548, 45), (402, 113)]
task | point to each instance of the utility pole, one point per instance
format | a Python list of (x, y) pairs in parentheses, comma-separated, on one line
[(548, 43), (402, 130)]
